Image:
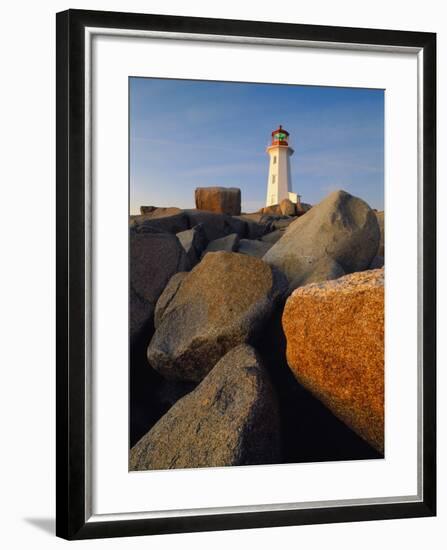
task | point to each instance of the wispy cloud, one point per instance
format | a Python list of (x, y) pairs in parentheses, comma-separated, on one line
[(225, 169), (342, 163), (189, 144)]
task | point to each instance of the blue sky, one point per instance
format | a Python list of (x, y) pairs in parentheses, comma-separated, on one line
[(186, 134)]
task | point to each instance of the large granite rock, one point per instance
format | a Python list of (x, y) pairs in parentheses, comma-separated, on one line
[(224, 301), (253, 247), (251, 217), (324, 269), (273, 237), (141, 317), (377, 263), (335, 348), (194, 242), (229, 243), (281, 223), (169, 224), (154, 258), (287, 207), (223, 200), (342, 227), (167, 295), (230, 419), (381, 221), (159, 212), (254, 228), (215, 225), (274, 209)]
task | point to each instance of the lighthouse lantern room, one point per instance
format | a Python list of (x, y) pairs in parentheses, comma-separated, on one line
[(279, 185)]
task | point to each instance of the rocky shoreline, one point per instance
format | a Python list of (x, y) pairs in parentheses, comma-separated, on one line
[(256, 338)]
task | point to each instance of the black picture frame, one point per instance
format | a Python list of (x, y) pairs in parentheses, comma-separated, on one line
[(71, 493)]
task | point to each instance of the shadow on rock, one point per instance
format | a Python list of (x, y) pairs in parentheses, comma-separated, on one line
[(144, 406), (150, 395), (310, 432)]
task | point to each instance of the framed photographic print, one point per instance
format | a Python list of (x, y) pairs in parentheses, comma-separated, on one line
[(240, 342)]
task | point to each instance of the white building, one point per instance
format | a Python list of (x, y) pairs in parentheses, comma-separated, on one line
[(279, 185)]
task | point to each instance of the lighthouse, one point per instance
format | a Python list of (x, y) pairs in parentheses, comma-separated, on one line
[(279, 185)]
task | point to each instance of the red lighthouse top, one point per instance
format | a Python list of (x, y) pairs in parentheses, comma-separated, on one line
[(280, 136)]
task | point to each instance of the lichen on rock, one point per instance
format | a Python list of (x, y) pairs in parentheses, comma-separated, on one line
[(335, 348)]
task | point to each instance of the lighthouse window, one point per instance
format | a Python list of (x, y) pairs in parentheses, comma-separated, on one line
[(273, 178), (274, 159)]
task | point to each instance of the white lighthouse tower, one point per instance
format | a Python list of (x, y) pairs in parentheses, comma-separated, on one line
[(279, 185)]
